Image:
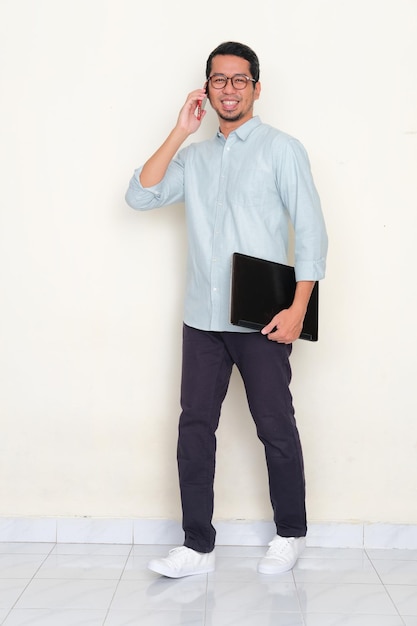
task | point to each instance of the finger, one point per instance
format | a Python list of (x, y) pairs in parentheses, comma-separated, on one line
[(272, 335), (268, 328)]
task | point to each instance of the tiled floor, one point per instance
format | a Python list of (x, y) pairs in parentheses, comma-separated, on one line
[(109, 585)]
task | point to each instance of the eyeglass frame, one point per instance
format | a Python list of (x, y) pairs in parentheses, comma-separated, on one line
[(248, 78)]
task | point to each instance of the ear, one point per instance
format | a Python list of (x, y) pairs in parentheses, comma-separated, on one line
[(257, 91), (206, 88)]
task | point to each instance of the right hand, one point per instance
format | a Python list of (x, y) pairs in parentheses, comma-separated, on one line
[(156, 166), (187, 120)]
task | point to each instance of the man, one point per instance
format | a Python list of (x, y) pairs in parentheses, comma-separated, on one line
[(240, 188)]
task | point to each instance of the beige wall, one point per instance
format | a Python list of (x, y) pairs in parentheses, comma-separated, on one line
[(91, 292)]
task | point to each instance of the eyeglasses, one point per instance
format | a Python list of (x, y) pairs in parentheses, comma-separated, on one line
[(239, 81)]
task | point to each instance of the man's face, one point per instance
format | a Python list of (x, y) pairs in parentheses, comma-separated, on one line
[(231, 104)]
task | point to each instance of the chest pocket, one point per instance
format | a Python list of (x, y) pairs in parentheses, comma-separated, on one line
[(252, 188)]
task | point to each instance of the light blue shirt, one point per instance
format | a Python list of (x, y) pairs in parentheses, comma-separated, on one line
[(239, 194)]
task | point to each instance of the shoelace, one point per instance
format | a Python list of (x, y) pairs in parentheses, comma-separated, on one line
[(179, 555), (279, 546)]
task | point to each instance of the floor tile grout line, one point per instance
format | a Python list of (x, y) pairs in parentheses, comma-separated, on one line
[(393, 602), (45, 555), (118, 584), (383, 585), (374, 568), (298, 597), (205, 616)]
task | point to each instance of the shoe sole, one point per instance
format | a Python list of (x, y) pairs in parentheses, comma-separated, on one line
[(265, 570), (169, 574)]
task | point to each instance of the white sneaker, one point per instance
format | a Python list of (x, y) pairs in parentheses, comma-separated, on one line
[(183, 561), (282, 555)]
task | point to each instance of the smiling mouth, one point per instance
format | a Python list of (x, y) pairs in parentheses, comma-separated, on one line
[(229, 105)]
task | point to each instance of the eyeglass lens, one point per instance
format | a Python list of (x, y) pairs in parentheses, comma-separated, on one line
[(219, 81)]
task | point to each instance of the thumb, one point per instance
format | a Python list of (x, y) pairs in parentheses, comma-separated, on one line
[(268, 328)]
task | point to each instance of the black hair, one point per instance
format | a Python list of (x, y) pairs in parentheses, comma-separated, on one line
[(239, 50)]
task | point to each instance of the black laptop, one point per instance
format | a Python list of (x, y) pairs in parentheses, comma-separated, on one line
[(260, 289)]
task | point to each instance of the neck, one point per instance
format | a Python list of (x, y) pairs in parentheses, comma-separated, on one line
[(228, 126)]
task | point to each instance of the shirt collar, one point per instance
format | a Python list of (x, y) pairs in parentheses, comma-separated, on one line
[(245, 129)]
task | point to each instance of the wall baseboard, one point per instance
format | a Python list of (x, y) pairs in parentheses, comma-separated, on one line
[(229, 532)]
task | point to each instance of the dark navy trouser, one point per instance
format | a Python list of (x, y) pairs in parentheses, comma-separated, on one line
[(208, 358)]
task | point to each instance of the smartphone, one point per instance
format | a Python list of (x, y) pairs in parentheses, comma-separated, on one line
[(200, 107)]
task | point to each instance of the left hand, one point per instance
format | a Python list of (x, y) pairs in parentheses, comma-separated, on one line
[(285, 326), (288, 323)]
